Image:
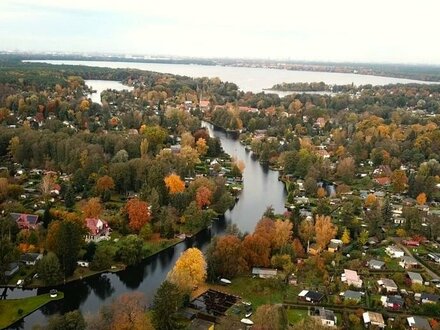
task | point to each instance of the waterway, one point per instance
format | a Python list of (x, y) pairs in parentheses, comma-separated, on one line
[(247, 79), (261, 189)]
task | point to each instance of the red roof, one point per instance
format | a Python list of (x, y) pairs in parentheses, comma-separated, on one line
[(383, 181), (95, 226), (204, 103)]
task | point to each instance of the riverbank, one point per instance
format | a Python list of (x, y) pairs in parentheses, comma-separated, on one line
[(13, 310)]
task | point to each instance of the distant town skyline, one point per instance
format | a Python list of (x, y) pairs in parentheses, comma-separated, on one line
[(316, 30)]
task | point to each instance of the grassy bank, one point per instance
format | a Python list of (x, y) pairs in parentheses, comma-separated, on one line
[(12, 310)]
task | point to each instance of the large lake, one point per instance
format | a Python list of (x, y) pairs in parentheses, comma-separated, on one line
[(248, 79)]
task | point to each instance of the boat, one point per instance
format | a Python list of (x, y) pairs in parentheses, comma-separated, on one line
[(225, 281), (246, 321)]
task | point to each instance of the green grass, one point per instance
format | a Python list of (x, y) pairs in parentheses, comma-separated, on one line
[(296, 315), (10, 309)]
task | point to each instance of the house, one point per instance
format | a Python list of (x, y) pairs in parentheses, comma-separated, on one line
[(11, 269), (351, 277), (383, 181), (376, 264), (434, 257), (394, 252), (310, 296), (394, 302), (418, 323), (320, 122), (411, 243), (200, 324), (25, 221), (352, 295), (429, 298), (372, 318), (335, 245), (408, 262), (97, 230), (388, 284), (415, 278), (30, 259), (327, 317), (264, 272), (292, 279), (314, 249)]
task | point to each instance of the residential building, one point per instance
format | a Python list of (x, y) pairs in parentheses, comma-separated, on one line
[(415, 278), (434, 257), (200, 324), (429, 298), (375, 319), (327, 317), (25, 221), (352, 295), (394, 252), (418, 323), (30, 259), (408, 262), (388, 284), (11, 269), (351, 277), (97, 230), (310, 296), (394, 302), (376, 264), (264, 272)]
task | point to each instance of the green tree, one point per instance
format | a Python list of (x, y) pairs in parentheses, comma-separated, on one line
[(102, 258), (68, 242), (363, 237), (130, 250), (49, 269), (167, 300)]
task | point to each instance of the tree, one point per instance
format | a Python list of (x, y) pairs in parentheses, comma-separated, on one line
[(49, 269), (189, 270), (321, 192), (203, 197), (69, 321), (130, 250), (325, 230), (345, 170), (102, 259), (421, 199), (167, 300), (363, 237), (92, 208), (225, 257), (306, 231), (138, 213), (201, 146), (399, 181), (283, 233), (270, 317), (174, 183), (346, 236), (104, 184), (298, 248), (370, 200), (256, 250), (401, 232)]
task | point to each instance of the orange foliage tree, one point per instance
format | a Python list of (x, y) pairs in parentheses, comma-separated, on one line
[(105, 183), (283, 233), (203, 197), (266, 228), (92, 208), (138, 213), (227, 257), (174, 183), (325, 230), (421, 199), (257, 250)]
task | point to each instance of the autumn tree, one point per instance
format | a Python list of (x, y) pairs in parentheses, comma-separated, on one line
[(345, 170), (92, 208), (256, 250), (346, 236), (201, 146), (174, 183), (370, 200), (298, 248), (189, 270), (138, 213), (270, 317), (421, 199), (399, 181), (321, 192), (225, 257), (282, 233), (306, 231), (325, 230), (363, 237), (265, 228), (203, 197), (104, 184)]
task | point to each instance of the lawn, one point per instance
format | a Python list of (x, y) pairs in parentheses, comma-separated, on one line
[(12, 310), (296, 315)]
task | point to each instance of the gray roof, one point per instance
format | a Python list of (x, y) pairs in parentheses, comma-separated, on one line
[(389, 283), (264, 271), (355, 295), (415, 276), (420, 323), (326, 314), (375, 263), (409, 260)]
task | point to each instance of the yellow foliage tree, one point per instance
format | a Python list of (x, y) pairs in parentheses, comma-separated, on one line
[(346, 236), (283, 233), (321, 192), (401, 232), (189, 270), (421, 199), (370, 200), (325, 230), (174, 183), (201, 146)]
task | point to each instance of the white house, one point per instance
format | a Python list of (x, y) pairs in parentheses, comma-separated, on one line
[(327, 317), (352, 278), (372, 318), (394, 252)]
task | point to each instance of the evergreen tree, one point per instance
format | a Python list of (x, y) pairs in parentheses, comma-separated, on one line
[(167, 300)]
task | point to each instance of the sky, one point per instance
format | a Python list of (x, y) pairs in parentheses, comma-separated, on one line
[(311, 30)]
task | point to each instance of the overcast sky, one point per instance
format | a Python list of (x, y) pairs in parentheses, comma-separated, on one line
[(340, 30)]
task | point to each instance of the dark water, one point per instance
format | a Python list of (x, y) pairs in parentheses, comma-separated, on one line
[(261, 189)]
